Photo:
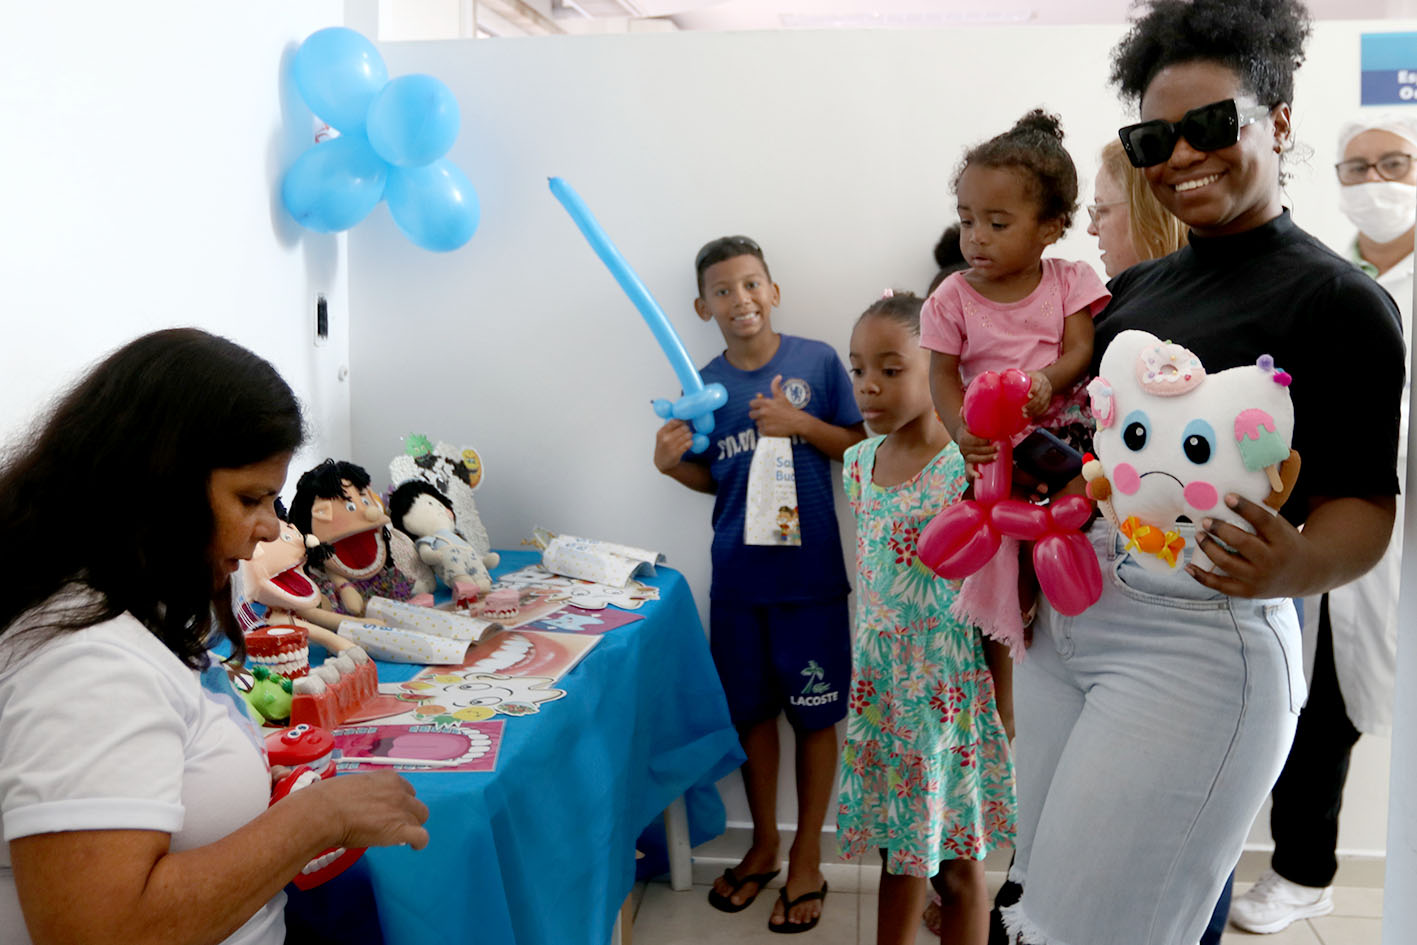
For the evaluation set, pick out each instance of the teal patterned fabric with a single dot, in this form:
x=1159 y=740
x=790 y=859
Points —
x=926 y=774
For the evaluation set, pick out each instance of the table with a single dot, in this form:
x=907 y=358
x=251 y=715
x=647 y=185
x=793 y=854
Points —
x=541 y=851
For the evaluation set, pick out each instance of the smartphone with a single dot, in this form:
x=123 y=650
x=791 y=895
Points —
x=1047 y=459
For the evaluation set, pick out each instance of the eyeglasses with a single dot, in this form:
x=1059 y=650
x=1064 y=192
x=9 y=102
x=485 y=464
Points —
x=1391 y=166
x=1208 y=128
x=1094 y=210
x=738 y=244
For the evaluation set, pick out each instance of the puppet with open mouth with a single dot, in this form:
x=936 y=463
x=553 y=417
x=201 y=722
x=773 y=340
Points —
x=351 y=549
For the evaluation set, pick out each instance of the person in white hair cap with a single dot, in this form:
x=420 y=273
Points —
x=1351 y=692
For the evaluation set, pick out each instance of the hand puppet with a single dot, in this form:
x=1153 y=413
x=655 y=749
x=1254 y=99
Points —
x=350 y=546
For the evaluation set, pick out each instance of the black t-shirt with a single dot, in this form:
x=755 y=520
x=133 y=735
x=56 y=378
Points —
x=1276 y=290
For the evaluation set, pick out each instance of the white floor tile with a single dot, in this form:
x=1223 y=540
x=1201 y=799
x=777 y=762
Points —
x=685 y=918
x=1300 y=933
x=1365 y=902
x=867 y=922
x=1348 y=930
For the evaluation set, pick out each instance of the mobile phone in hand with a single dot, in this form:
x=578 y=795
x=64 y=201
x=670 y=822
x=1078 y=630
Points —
x=1047 y=459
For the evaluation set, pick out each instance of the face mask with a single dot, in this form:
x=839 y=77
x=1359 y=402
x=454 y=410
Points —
x=1381 y=210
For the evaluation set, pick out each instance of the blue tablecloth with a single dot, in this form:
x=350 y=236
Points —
x=541 y=851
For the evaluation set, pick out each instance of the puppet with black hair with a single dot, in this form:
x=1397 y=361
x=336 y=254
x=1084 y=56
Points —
x=426 y=515
x=351 y=550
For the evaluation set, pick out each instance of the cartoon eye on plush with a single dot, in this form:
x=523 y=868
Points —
x=1198 y=441
x=349 y=506
x=1136 y=430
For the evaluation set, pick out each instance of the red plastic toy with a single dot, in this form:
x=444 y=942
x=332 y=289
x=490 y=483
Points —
x=311 y=750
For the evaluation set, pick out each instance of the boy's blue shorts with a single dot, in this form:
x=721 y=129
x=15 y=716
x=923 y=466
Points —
x=792 y=657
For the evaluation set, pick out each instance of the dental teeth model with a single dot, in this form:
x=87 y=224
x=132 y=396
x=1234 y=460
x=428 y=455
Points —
x=280 y=649
x=311 y=751
x=334 y=690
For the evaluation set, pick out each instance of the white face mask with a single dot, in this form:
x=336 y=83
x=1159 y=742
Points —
x=1381 y=210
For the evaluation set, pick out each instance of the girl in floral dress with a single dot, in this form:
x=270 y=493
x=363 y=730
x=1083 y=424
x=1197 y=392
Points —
x=926 y=776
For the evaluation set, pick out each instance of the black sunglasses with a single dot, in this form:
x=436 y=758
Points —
x=1208 y=128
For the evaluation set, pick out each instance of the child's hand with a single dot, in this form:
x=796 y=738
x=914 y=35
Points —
x=975 y=449
x=671 y=443
x=774 y=415
x=1040 y=394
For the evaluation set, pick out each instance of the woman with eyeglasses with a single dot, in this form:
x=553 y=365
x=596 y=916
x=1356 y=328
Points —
x=1350 y=692
x=1151 y=726
x=1129 y=222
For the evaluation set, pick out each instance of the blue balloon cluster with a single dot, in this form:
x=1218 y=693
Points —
x=393 y=135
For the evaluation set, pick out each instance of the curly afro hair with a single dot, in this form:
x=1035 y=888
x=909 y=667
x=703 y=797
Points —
x=1034 y=148
x=1261 y=40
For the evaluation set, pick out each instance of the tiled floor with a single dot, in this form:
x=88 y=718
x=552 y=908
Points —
x=666 y=917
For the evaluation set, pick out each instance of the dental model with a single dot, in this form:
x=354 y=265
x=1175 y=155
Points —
x=336 y=690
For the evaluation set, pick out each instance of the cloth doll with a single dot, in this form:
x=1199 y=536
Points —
x=456 y=473
x=426 y=515
x=353 y=555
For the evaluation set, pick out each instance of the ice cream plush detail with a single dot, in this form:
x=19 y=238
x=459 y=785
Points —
x=1261 y=446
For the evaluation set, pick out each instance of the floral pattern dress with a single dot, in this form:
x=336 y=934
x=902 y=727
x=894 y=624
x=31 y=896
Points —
x=926 y=774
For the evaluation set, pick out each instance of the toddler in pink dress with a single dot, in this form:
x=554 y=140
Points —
x=1013 y=309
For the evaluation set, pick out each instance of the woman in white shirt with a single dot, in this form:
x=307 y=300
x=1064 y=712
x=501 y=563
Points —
x=133 y=791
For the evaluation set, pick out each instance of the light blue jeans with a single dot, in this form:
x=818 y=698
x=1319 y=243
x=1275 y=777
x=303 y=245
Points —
x=1150 y=729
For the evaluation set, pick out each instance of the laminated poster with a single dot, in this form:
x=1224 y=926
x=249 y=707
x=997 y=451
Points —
x=426 y=746
x=603 y=562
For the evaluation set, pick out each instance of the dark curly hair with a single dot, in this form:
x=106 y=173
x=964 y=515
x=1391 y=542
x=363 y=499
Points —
x=1034 y=147
x=899 y=306
x=108 y=495
x=1262 y=41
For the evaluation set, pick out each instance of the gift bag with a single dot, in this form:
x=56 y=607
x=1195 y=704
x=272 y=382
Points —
x=771 y=517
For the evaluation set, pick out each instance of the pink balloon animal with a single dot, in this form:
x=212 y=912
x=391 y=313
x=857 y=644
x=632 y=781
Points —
x=965 y=535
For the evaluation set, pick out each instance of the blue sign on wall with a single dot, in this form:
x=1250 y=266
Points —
x=1389 y=68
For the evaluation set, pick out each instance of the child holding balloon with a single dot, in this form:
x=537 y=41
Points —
x=925 y=774
x=1013 y=309
x=778 y=621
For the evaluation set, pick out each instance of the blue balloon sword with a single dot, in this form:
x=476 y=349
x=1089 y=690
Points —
x=698 y=401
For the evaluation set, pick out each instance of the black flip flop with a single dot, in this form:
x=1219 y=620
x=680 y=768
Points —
x=726 y=903
x=788 y=927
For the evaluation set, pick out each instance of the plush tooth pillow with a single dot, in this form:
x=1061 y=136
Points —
x=1172 y=440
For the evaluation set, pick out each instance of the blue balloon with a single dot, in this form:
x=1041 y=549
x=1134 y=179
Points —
x=434 y=205
x=338 y=73
x=698 y=402
x=413 y=121
x=335 y=184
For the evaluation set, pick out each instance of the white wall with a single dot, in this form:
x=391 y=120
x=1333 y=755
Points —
x=833 y=149
x=141 y=158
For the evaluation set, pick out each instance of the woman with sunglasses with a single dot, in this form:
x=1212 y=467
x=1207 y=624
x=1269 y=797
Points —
x=1152 y=725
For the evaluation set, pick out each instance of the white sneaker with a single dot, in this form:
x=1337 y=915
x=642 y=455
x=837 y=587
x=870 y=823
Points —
x=1274 y=903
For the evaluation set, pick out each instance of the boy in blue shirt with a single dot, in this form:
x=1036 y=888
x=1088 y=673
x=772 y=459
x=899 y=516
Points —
x=779 y=628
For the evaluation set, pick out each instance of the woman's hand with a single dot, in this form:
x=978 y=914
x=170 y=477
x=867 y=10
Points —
x=975 y=449
x=1273 y=562
x=376 y=809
